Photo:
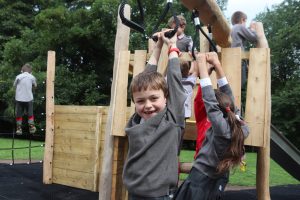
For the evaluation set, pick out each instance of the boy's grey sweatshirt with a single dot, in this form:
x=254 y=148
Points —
x=240 y=34
x=151 y=167
x=218 y=136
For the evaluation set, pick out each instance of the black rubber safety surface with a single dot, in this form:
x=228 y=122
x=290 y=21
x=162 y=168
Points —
x=24 y=182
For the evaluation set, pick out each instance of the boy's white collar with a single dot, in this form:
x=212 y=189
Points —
x=180 y=36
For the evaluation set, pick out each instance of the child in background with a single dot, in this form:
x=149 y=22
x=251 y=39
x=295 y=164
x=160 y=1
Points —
x=222 y=148
x=154 y=131
x=184 y=42
x=240 y=35
x=188 y=81
x=24 y=98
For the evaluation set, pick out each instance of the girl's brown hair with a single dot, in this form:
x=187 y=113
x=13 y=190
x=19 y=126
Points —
x=148 y=80
x=233 y=155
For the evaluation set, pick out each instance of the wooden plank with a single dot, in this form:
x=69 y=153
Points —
x=79 y=126
x=105 y=179
x=245 y=55
x=261 y=37
x=163 y=60
x=140 y=58
x=263 y=156
x=117 y=170
x=210 y=13
x=231 y=63
x=69 y=141
x=120 y=101
x=74 y=164
x=256 y=96
x=75 y=117
x=72 y=156
x=83 y=135
x=75 y=109
x=87 y=150
x=190 y=130
x=97 y=151
x=48 y=152
x=73 y=178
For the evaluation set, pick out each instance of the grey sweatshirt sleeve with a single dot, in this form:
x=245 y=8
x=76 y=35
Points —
x=177 y=95
x=150 y=68
x=218 y=123
x=248 y=34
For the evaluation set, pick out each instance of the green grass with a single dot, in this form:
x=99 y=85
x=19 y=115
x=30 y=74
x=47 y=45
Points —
x=278 y=176
x=37 y=153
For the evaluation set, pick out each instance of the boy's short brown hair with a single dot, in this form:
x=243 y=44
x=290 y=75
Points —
x=185 y=68
x=27 y=68
x=148 y=80
x=182 y=20
x=237 y=17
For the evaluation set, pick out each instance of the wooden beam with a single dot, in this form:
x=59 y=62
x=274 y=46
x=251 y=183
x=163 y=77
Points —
x=210 y=13
x=231 y=63
x=163 y=60
x=105 y=180
x=119 y=101
x=48 y=154
x=140 y=58
x=263 y=156
x=256 y=94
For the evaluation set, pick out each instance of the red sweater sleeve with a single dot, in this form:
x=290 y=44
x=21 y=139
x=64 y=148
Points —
x=200 y=112
x=202 y=122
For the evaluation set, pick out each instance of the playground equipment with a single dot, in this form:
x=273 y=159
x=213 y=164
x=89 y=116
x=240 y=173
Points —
x=85 y=145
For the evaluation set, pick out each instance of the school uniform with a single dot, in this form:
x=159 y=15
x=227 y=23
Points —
x=24 y=96
x=203 y=183
x=188 y=84
x=151 y=167
x=184 y=43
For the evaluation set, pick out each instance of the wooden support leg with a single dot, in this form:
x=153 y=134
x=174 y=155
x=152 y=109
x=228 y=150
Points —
x=119 y=156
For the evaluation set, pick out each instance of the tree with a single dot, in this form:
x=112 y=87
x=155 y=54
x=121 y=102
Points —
x=281 y=26
x=81 y=32
x=83 y=38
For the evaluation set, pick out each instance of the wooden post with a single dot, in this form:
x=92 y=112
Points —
x=48 y=154
x=105 y=180
x=119 y=102
x=163 y=60
x=263 y=156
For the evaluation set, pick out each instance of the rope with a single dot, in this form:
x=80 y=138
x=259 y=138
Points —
x=140 y=27
x=130 y=23
x=196 y=21
x=13 y=148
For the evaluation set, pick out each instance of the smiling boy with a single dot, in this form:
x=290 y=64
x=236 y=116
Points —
x=154 y=131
